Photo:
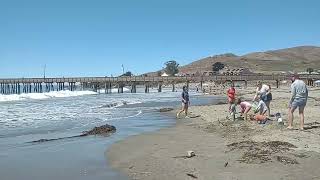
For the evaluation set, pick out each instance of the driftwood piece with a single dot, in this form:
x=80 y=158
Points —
x=191 y=175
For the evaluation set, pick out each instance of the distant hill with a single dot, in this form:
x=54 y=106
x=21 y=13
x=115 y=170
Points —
x=275 y=61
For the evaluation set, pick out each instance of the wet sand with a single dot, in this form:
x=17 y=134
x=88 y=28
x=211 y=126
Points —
x=225 y=149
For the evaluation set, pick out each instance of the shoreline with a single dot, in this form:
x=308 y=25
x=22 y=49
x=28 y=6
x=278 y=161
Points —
x=154 y=155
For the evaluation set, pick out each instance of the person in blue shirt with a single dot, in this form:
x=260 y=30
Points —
x=185 y=102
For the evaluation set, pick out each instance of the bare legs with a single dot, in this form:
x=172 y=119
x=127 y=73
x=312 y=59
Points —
x=290 y=120
x=246 y=113
x=268 y=106
x=184 y=109
x=301 y=113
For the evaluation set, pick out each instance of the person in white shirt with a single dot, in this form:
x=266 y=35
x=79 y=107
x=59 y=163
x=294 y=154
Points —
x=263 y=92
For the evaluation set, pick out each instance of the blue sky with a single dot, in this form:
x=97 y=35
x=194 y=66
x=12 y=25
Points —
x=93 y=38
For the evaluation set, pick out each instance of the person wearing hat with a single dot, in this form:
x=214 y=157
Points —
x=185 y=102
x=299 y=96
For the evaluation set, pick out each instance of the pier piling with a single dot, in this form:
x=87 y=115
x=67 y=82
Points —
x=173 y=87
x=159 y=87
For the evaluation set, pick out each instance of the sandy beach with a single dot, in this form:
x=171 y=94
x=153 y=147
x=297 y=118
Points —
x=225 y=149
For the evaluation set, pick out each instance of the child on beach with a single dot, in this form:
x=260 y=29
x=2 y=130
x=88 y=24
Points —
x=231 y=96
x=245 y=107
x=185 y=102
x=260 y=109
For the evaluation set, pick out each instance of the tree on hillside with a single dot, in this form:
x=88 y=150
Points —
x=128 y=73
x=310 y=70
x=171 y=67
x=217 y=66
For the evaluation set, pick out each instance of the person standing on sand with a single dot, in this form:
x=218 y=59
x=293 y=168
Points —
x=185 y=101
x=263 y=92
x=231 y=96
x=299 y=96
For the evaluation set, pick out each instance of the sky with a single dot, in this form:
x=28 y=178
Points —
x=94 y=38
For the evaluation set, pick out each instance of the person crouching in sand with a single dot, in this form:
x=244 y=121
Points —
x=299 y=96
x=260 y=109
x=185 y=102
x=245 y=107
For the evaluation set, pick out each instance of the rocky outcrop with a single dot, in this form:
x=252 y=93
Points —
x=101 y=130
x=166 y=109
x=104 y=130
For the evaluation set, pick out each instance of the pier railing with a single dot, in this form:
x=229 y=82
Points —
x=156 y=79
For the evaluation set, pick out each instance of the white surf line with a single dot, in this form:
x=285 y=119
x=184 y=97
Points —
x=42 y=96
x=127 y=117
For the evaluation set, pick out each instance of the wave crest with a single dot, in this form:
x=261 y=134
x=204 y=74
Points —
x=48 y=95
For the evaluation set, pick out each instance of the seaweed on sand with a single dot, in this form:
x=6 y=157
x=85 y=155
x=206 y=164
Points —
x=261 y=152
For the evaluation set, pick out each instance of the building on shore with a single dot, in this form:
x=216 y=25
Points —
x=235 y=71
x=164 y=74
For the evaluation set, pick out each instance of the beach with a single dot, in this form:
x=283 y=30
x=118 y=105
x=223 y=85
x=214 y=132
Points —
x=43 y=129
x=225 y=149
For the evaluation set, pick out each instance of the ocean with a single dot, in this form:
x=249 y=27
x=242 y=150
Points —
x=30 y=117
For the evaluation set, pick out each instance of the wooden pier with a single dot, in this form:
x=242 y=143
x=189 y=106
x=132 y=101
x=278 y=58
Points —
x=40 y=85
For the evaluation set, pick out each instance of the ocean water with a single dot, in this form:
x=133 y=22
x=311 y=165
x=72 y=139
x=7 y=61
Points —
x=30 y=117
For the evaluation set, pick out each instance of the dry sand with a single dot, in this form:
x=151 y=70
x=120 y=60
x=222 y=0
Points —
x=226 y=149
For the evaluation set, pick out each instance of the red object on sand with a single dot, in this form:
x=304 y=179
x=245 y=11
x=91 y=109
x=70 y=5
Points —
x=259 y=117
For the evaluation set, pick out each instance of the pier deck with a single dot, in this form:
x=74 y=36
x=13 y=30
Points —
x=39 y=85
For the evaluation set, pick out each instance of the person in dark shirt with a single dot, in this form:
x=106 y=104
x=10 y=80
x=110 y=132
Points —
x=185 y=102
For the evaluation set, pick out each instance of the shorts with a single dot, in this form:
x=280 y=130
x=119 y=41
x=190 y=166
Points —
x=185 y=105
x=301 y=103
x=266 y=98
x=263 y=110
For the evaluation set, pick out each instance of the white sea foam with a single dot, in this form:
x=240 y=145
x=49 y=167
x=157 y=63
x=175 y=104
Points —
x=114 y=90
x=52 y=94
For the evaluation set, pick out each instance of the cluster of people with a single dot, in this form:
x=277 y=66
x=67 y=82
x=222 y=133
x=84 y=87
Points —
x=261 y=101
x=263 y=97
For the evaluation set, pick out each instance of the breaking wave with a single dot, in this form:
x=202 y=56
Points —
x=48 y=95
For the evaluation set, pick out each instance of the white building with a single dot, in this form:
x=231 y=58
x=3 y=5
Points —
x=164 y=75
